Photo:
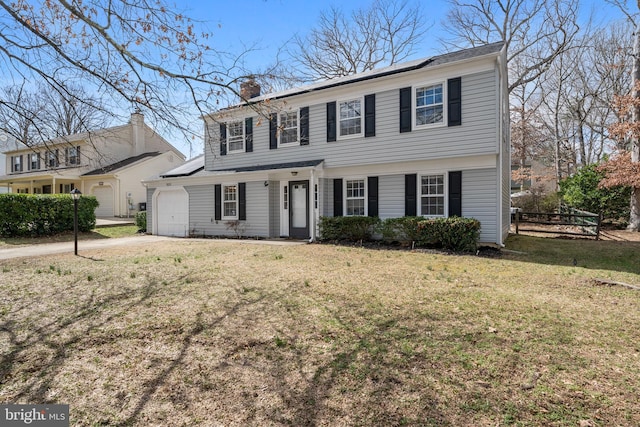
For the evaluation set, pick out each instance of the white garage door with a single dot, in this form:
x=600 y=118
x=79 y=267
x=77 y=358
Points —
x=173 y=213
x=105 y=198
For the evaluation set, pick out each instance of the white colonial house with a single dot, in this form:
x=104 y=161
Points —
x=428 y=137
x=108 y=163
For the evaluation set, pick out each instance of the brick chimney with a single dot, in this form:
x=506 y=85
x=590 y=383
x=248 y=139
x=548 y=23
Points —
x=249 y=89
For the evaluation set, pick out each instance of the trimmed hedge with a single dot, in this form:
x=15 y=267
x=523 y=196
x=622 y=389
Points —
x=453 y=233
x=44 y=215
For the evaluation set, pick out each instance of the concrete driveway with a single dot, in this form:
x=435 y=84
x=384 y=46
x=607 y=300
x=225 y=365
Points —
x=86 y=245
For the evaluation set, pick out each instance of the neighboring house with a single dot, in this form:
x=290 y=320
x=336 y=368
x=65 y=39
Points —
x=428 y=137
x=107 y=163
x=7 y=143
x=535 y=175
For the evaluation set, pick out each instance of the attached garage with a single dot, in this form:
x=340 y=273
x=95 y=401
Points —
x=104 y=194
x=172 y=212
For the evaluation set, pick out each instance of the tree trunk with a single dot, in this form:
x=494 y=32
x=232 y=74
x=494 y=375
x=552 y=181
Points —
x=634 y=216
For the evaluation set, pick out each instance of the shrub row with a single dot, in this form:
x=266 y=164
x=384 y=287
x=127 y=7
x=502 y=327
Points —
x=453 y=233
x=43 y=215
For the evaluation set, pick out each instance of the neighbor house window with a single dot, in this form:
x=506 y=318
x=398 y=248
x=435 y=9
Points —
x=288 y=127
x=73 y=156
x=230 y=202
x=52 y=159
x=432 y=195
x=429 y=107
x=16 y=163
x=355 y=197
x=34 y=161
x=235 y=136
x=350 y=118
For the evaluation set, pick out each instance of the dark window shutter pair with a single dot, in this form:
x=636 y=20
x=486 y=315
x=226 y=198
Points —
x=372 y=196
x=223 y=139
x=454 y=105
x=411 y=194
x=242 y=201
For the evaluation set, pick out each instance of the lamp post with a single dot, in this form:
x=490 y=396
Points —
x=75 y=194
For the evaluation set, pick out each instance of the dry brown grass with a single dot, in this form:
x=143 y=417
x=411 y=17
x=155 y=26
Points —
x=220 y=333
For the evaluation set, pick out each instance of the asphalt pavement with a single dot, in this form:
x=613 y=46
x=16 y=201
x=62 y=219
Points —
x=43 y=249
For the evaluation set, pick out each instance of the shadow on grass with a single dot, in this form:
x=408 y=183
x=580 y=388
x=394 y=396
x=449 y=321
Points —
x=586 y=253
x=58 y=238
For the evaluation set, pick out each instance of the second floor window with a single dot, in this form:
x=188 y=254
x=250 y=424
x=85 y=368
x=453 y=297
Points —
x=52 y=159
x=73 y=156
x=429 y=105
x=34 y=161
x=288 y=127
x=350 y=118
x=16 y=164
x=235 y=136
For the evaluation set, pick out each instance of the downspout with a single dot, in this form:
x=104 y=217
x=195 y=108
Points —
x=501 y=60
x=312 y=197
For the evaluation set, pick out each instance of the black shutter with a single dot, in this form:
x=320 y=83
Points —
x=372 y=195
x=337 y=197
x=248 y=134
x=242 y=201
x=410 y=195
x=77 y=155
x=370 y=115
x=223 y=139
x=454 y=101
x=455 y=193
x=331 y=121
x=218 y=201
x=273 y=131
x=405 y=109
x=304 y=126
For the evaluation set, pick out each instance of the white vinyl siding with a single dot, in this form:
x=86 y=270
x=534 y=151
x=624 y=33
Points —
x=480 y=200
x=477 y=136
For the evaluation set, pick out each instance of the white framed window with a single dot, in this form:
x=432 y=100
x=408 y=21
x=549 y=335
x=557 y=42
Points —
x=34 y=161
x=230 y=201
x=350 y=118
x=16 y=163
x=289 y=133
x=235 y=136
x=52 y=159
x=429 y=105
x=73 y=156
x=432 y=195
x=355 y=197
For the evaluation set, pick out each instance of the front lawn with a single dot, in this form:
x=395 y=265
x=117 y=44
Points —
x=211 y=333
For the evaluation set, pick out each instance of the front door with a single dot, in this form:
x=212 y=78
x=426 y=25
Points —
x=299 y=209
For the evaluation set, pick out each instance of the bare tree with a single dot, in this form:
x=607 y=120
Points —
x=385 y=33
x=139 y=55
x=20 y=110
x=535 y=31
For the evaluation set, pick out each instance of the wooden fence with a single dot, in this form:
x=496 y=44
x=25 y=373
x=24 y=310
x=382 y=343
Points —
x=578 y=223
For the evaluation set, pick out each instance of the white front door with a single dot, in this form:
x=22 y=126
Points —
x=299 y=209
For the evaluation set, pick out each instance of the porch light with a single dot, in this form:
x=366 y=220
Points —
x=75 y=195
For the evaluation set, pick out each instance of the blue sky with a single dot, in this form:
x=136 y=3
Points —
x=267 y=25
